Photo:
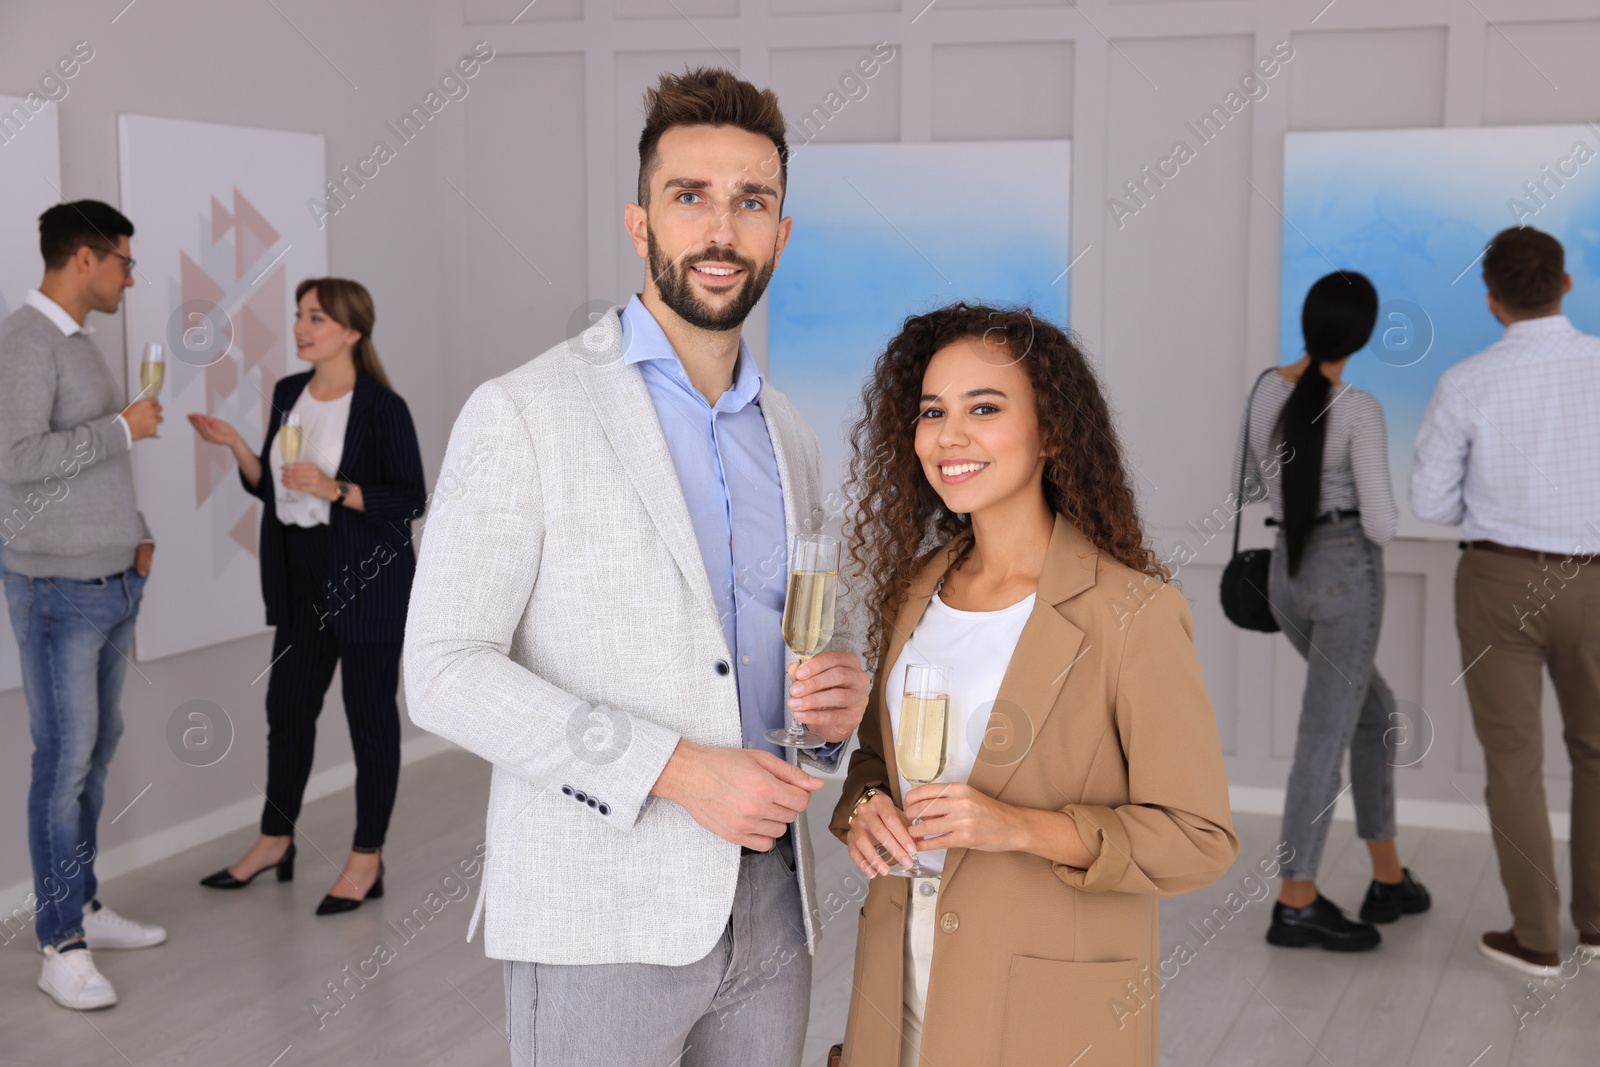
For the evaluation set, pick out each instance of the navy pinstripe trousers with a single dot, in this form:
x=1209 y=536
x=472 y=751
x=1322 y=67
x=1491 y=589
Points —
x=305 y=653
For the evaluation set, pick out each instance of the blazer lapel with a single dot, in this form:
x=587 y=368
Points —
x=623 y=408
x=355 y=427
x=792 y=473
x=1046 y=650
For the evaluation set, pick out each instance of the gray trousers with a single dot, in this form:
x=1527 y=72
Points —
x=1331 y=612
x=745 y=1002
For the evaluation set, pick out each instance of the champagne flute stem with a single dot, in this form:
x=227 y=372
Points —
x=797 y=730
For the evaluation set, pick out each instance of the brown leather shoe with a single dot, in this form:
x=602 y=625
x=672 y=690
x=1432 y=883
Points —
x=1589 y=945
x=1502 y=947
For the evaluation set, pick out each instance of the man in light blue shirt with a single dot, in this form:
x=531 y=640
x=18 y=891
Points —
x=709 y=224
x=729 y=476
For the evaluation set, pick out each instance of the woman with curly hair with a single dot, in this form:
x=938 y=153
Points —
x=997 y=535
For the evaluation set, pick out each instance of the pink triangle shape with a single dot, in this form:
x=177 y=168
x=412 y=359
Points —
x=221 y=221
x=254 y=235
x=244 y=531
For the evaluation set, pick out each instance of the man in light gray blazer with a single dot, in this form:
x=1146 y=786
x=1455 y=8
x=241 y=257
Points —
x=597 y=611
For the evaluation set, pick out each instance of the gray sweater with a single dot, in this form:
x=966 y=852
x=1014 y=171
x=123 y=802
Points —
x=66 y=479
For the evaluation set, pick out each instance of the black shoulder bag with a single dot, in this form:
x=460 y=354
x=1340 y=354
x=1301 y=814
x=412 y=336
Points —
x=1244 y=580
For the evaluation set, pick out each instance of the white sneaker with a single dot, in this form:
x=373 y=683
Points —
x=73 y=981
x=106 y=929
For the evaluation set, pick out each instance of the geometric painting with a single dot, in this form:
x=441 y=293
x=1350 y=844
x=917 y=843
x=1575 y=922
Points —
x=224 y=233
x=30 y=182
x=1413 y=210
x=883 y=231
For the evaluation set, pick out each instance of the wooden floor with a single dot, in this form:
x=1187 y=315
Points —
x=238 y=981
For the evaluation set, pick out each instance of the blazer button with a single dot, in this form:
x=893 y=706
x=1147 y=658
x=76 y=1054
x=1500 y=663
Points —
x=580 y=796
x=604 y=809
x=949 y=923
x=567 y=789
x=722 y=666
x=593 y=803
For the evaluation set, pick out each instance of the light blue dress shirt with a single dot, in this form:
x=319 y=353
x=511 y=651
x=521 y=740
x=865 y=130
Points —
x=723 y=456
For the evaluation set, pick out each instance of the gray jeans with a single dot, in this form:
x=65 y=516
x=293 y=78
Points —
x=745 y=1002
x=1331 y=612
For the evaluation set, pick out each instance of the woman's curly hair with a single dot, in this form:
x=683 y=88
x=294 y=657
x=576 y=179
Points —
x=896 y=518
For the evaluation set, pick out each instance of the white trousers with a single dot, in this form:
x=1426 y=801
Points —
x=919 y=960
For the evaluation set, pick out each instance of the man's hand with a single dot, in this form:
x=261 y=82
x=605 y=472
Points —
x=742 y=795
x=142 y=556
x=142 y=417
x=829 y=694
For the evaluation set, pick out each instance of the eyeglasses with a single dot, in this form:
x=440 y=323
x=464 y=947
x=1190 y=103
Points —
x=127 y=261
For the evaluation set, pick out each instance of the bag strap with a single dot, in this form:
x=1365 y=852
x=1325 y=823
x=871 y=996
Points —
x=1244 y=453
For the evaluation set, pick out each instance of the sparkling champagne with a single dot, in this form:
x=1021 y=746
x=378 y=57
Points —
x=289 y=442
x=808 y=611
x=151 y=376
x=921 y=742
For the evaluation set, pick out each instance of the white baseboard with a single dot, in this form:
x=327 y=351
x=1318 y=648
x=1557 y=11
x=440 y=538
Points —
x=153 y=848
x=1427 y=814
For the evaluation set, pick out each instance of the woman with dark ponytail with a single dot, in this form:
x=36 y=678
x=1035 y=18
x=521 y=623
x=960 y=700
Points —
x=1334 y=507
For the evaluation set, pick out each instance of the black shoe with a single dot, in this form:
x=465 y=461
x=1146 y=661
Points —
x=332 y=905
x=1321 y=922
x=223 y=880
x=1387 y=901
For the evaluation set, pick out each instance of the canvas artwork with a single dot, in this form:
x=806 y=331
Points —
x=223 y=236
x=883 y=231
x=30 y=181
x=1413 y=210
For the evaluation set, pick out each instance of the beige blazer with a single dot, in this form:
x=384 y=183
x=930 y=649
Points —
x=1102 y=714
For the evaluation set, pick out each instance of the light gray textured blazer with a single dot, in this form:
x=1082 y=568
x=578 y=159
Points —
x=562 y=627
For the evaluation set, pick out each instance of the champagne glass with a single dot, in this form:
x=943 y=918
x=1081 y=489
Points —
x=922 y=741
x=290 y=438
x=808 y=617
x=152 y=372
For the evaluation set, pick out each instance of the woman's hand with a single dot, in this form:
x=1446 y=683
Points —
x=308 y=478
x=877 y=822
x=964 y=818
x=213 y=430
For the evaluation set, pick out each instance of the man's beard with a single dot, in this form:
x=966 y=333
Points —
x=676 y=290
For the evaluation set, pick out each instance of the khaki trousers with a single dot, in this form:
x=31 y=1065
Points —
x=1522 y=615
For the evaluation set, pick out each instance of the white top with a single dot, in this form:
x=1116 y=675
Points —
x=322 y=424
x=1355 y=456
x=976 y=647
x=1510 y=446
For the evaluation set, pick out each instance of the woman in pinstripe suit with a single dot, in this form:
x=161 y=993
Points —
x=336 y=569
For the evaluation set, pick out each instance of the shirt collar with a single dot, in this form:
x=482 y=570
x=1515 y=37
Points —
x=644 y=340
x=55 y=313
x=1539 y=327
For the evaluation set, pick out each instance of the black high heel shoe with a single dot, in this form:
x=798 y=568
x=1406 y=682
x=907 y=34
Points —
x=223 y=880
x=332 y=905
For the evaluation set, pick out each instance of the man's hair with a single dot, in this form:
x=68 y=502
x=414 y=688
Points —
x=65 y=228
x=711 y=96
x=1524 y=268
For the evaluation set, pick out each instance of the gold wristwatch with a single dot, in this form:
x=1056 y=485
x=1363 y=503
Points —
x=871 y=792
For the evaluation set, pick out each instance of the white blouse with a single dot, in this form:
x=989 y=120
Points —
x=322 y=426
x=975 y=647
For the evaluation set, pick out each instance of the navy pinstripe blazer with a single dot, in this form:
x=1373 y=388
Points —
x=370 y=557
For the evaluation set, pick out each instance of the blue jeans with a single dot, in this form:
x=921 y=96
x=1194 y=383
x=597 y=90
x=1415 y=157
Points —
x=74 y=635
x=1331 y=612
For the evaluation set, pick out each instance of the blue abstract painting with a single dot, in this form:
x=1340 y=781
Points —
x=1413 y=210
x=883 y=231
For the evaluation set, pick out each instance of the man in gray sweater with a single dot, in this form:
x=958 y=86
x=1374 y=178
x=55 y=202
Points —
x=75 y=552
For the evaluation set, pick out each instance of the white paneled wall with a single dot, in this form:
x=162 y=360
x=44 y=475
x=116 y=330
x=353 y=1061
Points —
x=1178 y=302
